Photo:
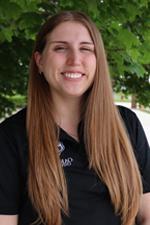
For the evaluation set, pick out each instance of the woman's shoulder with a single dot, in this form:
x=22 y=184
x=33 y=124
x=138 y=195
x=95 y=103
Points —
x=15 y=125
x=134 y=128
x=18 y=118
x=130 y=119
x=126 y=113
x=139 y=142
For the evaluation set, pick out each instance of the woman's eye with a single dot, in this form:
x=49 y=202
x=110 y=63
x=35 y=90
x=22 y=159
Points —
x=86 y=49
x=60 y=48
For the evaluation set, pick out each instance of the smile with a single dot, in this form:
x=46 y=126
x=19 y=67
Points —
x=73 y=75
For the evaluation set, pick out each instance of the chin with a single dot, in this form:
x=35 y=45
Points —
x=75 y=95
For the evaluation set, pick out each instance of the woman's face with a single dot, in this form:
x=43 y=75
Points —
x=68 y=60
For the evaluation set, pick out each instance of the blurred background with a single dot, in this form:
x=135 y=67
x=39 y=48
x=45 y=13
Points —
x=125 y=28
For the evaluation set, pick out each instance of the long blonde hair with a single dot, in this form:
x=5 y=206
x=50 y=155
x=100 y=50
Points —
x=109 y=151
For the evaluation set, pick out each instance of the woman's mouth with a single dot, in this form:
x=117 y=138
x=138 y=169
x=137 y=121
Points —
x=72 y=75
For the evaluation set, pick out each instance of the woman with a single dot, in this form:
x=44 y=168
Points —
x=74 y=165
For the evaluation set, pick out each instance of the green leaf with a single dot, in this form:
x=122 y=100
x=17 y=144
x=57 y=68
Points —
x=137 y=69
x=27 y=5
x=29 y=19
x=66 y=3
x=8 y=33
x=127 y=38
x=9 y=10
x=132 y=11
x=134 y=54
x=92 y=8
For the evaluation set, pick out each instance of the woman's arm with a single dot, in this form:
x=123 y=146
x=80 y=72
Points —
x=143 y=217
x=8 y=219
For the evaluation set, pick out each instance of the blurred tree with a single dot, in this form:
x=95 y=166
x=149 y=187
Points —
x=19 y=22
x=125 y=30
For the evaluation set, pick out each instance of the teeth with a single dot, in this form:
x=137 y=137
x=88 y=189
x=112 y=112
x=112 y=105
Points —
x=72 y=75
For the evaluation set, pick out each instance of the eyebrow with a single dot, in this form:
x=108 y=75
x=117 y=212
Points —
x=65 y=42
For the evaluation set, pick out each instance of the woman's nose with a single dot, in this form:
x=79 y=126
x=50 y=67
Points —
x=74 y=57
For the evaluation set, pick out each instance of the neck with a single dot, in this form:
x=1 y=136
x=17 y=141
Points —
x=67 y=115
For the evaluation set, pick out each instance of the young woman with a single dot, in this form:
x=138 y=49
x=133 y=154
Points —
x=72 y=157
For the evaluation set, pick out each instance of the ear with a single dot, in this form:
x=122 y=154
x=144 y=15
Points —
x=38 y=60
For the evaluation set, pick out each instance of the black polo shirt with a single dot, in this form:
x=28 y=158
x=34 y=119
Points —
x=89 y=200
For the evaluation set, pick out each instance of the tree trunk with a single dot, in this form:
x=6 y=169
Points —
x=133 y=102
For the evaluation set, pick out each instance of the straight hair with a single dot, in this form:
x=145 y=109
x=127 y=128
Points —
x=108 y=148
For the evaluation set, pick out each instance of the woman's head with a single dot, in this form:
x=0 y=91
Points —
x=67 y=26
x=68 y=61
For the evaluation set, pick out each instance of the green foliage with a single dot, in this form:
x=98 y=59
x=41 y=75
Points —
x=124 y=26
x=19 y=22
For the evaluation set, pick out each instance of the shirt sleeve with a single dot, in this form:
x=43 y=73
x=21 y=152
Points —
x=140 y=145
x=142 y=152
x=9 y=174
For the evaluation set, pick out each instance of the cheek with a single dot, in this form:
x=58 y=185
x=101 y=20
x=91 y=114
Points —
x=51 y=69
x=92 y=65
x=49 y=64
x=53 y=61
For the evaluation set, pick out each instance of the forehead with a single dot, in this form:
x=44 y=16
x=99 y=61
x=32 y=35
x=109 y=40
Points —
x=70 y=31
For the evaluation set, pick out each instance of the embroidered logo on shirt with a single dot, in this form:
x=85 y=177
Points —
x=67 y=161
x=61 y=147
